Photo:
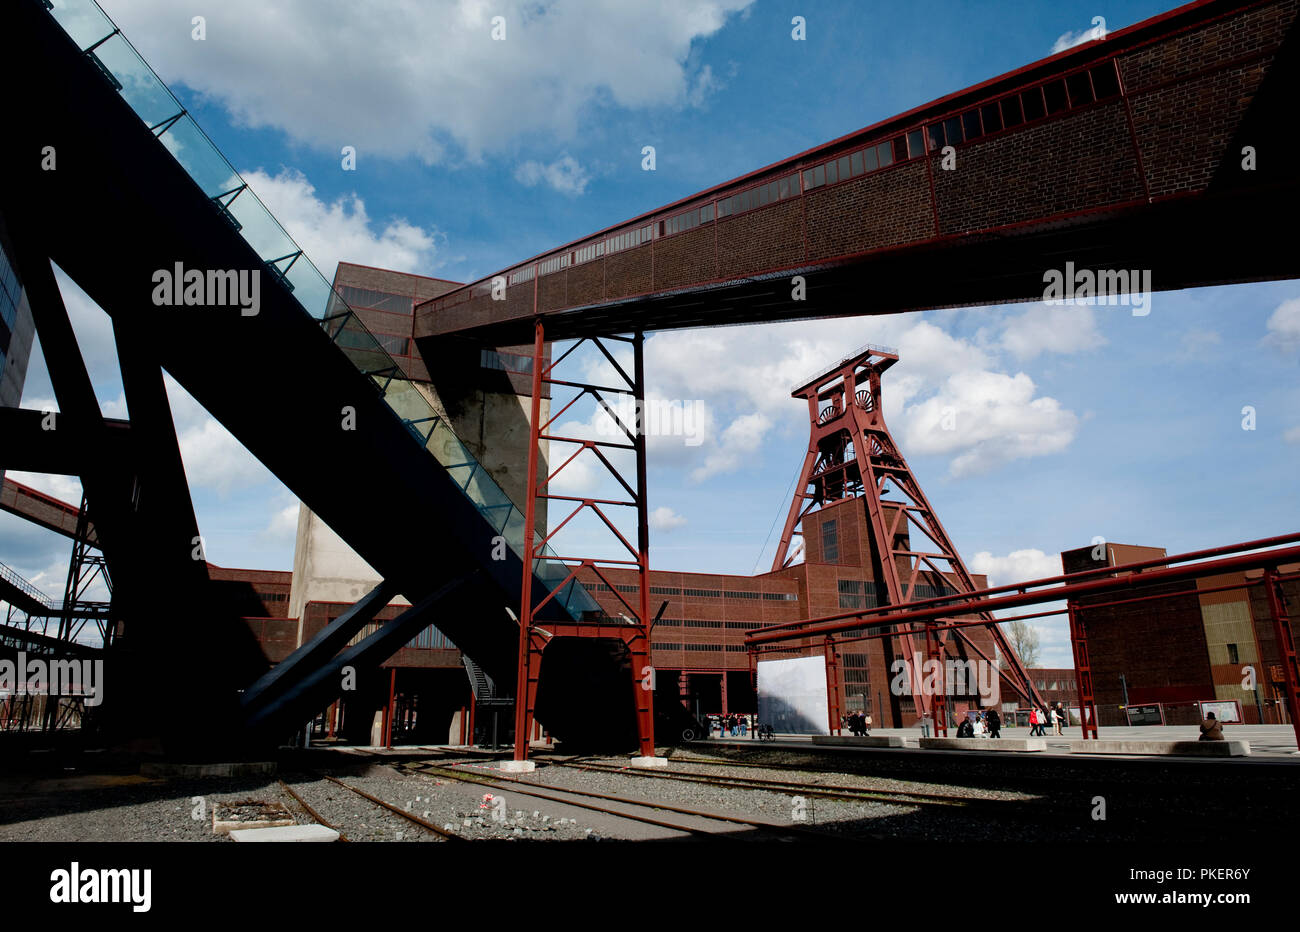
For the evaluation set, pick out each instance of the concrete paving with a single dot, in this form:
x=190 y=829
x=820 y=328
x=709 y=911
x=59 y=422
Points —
x=1266 y=741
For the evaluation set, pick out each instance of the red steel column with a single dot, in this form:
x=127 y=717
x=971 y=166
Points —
x=1083 y=673
x=1285 y=647
x=388 y=717
x=523 y=688
x=833 y=710
x=645 y=719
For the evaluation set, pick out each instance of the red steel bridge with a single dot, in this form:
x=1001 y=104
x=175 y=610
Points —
x=1124 y=153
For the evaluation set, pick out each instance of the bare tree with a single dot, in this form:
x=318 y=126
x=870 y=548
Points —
x=1024 y=641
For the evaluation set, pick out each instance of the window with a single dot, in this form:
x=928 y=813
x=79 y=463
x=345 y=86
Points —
x=1104 y=80
x=1054 y=94
x=855 y=164
x=378 y=300
x=885 y=153
x=935 y=135
x=1012 y=115
x=1232 y=654
x=1032 y=102
x=900 y=149
x=869 y=159
x=843 y=167
x=1080 y=89
x=991 y=114
x=915 y=146
x=830 y=543
x=832 y=173
x=970 y=124
x=952 y=131
x=507 y=362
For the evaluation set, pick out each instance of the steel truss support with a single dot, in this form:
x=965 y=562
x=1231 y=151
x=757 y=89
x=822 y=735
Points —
x=1285 y=646
x=1083 y=672
x=541 y=561
x=851 y=454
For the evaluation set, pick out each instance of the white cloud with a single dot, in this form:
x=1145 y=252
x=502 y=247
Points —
x=1292 y=434
x=1195 y=343
x=564 y=175
x=340 y=231
x=987 y=419
x=213 y=458
x=742 y=437
x=406 y=78
x=1049 y=329
x=665 y=519
x=283 y=526
x=1284 y=325
x=1017 y=566
x=1069 y=39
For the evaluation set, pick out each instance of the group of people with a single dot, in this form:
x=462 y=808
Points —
x=858 y=724
x=981 y=725
x=734 y=725
x=1038 y=720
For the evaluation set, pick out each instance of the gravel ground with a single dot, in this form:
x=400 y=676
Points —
x=1015 y=803
x=123 y=807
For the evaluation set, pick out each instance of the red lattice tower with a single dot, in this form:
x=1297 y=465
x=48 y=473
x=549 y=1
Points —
x=851 y=454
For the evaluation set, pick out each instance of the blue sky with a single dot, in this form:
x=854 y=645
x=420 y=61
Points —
x=472 y=154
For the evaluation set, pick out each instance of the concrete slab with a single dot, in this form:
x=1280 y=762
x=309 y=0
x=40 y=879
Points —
x=288 y=833
x=870 y=741
x=1013 y=745
x=517 y=766
x=1180 y=748
x=648 y=763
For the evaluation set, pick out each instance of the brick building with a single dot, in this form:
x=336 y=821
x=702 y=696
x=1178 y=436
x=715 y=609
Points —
x=1185 y=643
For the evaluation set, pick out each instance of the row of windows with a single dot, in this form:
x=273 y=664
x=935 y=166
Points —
x=1034 y=103
x=1079 y=89
x=697 y=623
x=764 y=194
x=394 y=344
x=729 y=593
x=1054 y=684
x=689 y=220
x=507 y=362
x=601 y=587
x=376 y=300
x=849 y=601
x=272 y=596
x=1048 y=99
x=666 y=645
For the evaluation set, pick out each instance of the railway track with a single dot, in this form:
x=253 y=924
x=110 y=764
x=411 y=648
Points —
x=564 y=796
x=374 y=801
x=1000 y=808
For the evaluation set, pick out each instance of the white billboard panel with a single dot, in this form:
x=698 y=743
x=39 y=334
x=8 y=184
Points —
x=792 y=695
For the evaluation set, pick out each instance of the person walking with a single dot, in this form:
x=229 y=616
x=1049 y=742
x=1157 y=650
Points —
x=994 y=722
x=1059 y=721
x=1035 y=723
